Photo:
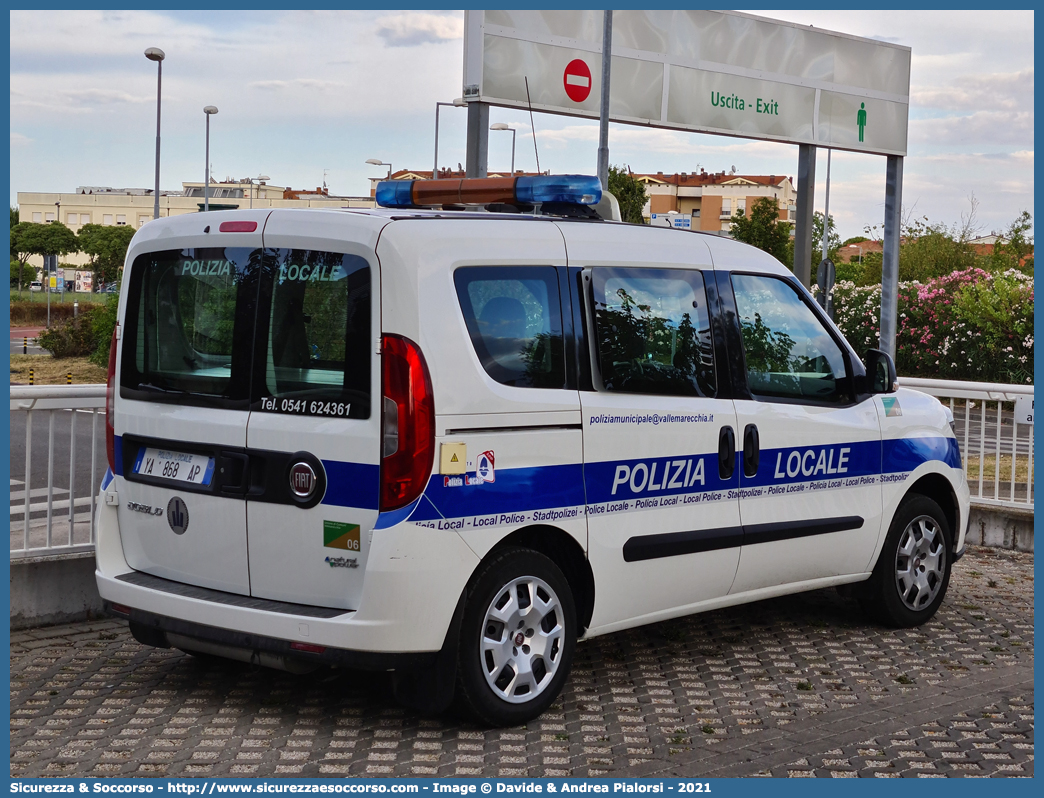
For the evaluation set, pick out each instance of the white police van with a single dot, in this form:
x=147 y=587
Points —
x=449 y=442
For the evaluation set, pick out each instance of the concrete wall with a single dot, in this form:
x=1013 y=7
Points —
x=49 y=590
x=1000 y=528
x=62 y=589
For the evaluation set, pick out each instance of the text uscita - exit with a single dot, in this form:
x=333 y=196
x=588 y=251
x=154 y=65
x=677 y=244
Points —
x=737 y=103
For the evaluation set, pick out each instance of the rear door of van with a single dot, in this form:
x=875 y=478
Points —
x=183 y=399
x=313 y=435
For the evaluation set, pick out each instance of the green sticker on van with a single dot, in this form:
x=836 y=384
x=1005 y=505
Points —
x=891 y=406
x=340 y=535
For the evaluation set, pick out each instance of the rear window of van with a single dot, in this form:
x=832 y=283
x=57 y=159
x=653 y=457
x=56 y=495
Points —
x=285 y=331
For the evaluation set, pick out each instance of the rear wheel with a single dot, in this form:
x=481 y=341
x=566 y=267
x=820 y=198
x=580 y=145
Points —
x=517 y=638
x=913 y=572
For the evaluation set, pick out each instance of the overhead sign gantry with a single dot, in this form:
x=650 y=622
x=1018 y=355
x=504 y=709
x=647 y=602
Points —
x=717 y=72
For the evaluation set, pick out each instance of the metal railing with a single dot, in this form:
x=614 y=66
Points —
x=41 y=523
x=989 y=434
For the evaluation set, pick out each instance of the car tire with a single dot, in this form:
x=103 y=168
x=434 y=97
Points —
x=912 y=573
x=517 y=637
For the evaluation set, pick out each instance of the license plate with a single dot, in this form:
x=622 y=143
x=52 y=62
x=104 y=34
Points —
x=196 y=469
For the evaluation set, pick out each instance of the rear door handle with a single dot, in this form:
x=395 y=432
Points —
x=751 y=450
x=726 y=453
x=233 y=469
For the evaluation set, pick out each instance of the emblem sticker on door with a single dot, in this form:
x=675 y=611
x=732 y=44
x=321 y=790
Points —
x=891 y=406
x=177 y=515
x=339 y=535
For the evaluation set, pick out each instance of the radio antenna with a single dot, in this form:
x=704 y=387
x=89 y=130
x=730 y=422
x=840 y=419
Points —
x=533 y=126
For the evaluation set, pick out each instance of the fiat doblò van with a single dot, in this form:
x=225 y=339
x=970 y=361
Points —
x=451 y=442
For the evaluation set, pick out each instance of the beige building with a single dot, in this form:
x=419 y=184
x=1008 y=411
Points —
x=712 y=199
x=134 y=206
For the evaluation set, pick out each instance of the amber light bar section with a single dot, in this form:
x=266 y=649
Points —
x=464 y=191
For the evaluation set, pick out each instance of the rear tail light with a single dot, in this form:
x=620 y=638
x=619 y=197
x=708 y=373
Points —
x=407 y=422
x=309 y=648
x=110 y=404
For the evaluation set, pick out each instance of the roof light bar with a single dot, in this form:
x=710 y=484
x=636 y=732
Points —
x=535 y=189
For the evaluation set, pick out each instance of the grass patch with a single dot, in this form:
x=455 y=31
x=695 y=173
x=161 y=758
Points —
x=989 y=468
x=49 y=371
x=804 y=685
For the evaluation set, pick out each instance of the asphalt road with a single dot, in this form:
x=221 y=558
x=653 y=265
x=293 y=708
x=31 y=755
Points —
x=18 y=335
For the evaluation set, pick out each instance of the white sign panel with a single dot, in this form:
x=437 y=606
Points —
x=84 y=281
x=704 y=71
x=1024 y=409
x=681 y=221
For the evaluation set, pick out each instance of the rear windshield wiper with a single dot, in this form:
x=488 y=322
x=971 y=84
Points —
x=146 y=386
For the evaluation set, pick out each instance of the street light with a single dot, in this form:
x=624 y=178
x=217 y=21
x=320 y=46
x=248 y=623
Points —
x=457 y=103
x=375 y=162
x=502 y=126
x=259 y=179
x=208 y=111
x=157 y=55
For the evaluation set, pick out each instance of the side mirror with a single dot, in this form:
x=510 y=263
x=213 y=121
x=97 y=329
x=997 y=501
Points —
x=880 y=372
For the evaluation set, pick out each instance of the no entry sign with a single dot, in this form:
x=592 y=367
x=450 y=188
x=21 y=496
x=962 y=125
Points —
x=577 y=80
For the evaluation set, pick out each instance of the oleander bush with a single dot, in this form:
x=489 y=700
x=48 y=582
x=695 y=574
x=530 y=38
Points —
x=966 y=325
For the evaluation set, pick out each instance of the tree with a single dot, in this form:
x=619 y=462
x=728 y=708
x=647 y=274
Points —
x=854 y=240
x=1019 y=246
x=14 y=216
x=630 y=193
x=817 y=244
x=107 y=248
x=33 y=238
x=763 y=228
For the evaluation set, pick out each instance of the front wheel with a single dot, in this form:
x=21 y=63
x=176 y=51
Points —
x=517 y=638
x=911 y=576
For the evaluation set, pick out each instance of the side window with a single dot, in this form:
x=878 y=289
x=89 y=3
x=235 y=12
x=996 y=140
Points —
x=514 y=317
x=652 y=331
x=319 y=337
x=788 y=351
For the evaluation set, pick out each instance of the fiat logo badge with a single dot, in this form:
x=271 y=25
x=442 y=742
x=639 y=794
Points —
x=302 y=480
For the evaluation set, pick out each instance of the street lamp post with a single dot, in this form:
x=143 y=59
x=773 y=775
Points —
x=58 y=218
x=208 y=111
x=502 y=126
x=375 y=162
x=157 y=55
x=259 y=179
x=457 y=103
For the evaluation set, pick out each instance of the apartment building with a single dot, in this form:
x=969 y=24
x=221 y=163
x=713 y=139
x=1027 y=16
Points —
x=711 y=199
x=134 y=206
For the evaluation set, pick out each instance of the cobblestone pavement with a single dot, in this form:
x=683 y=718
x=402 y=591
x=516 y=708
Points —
x=798 y=686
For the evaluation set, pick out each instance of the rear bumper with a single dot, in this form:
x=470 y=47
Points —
x=154 y=629
x=414 y=579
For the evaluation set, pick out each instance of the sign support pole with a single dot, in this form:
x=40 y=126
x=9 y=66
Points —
x=478 y=140
x=603 y=120
x=806 y=187
x=890 y=260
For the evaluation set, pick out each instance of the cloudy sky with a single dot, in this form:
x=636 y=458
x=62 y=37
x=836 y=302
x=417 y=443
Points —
x=307 y=94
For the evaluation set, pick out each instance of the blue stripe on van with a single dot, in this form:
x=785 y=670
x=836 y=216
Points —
x=352 y=484
x=515 y=489
x=905 y=454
